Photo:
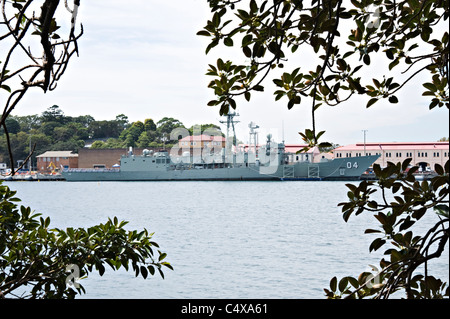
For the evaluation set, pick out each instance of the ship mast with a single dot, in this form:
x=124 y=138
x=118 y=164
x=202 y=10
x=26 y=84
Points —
x=230 y=124
x=253 y=140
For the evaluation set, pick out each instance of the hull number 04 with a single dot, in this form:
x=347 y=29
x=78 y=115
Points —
x=350 y=165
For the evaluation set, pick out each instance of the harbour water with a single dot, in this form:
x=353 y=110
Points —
x=257 y=240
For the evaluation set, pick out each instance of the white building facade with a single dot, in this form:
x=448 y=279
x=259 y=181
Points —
x=423 y=154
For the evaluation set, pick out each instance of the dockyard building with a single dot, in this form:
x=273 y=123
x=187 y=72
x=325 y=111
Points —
x=423 y=154
x=55 y=161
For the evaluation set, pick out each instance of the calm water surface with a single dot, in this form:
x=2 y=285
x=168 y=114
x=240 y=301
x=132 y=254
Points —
x=224 y=239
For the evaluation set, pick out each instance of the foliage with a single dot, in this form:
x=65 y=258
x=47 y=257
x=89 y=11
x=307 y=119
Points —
x=345 y=36
x=37 y=261
x=198 y=129
x=54 y=131
x=34 y=257
x=411 y=201
x=25 y=28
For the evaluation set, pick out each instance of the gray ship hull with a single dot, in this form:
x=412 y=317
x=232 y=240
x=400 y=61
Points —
x=137 y=170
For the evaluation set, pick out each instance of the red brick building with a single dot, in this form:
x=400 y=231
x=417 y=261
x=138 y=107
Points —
x=55 y=161
x=104 y=158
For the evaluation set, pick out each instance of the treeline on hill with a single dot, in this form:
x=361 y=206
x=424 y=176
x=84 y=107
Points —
x=54 y=131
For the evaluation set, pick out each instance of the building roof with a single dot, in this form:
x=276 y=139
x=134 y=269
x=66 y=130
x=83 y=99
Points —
x=58 y=154
x=294 y=148
x=395 y=146
x=196 y=138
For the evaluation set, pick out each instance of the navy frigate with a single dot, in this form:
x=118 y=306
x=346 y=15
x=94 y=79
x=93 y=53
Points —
x=266 y=162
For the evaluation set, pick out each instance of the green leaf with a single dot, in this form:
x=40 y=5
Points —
x=228 y=42
x=144 y=272
x=259 y=88
x=439 y=169
x=278 y=82
x=372 y=231
x=333 y=284
x=366 y=59
x=376 y=244
x=371 y=102
x=211 y=45
x=247 y=40
x=430 y=86
x=247 y=51
x=393 y=64
x=232 y=103
x=204 y=33
x=393 y=99
x=343 y=283
x=353 y=282
x=166 y=264
x=101 y=269
x=6 y=87
x=162 y=256
x=161 y=273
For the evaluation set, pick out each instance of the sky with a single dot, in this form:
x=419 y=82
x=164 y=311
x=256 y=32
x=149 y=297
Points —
x=142 y=58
